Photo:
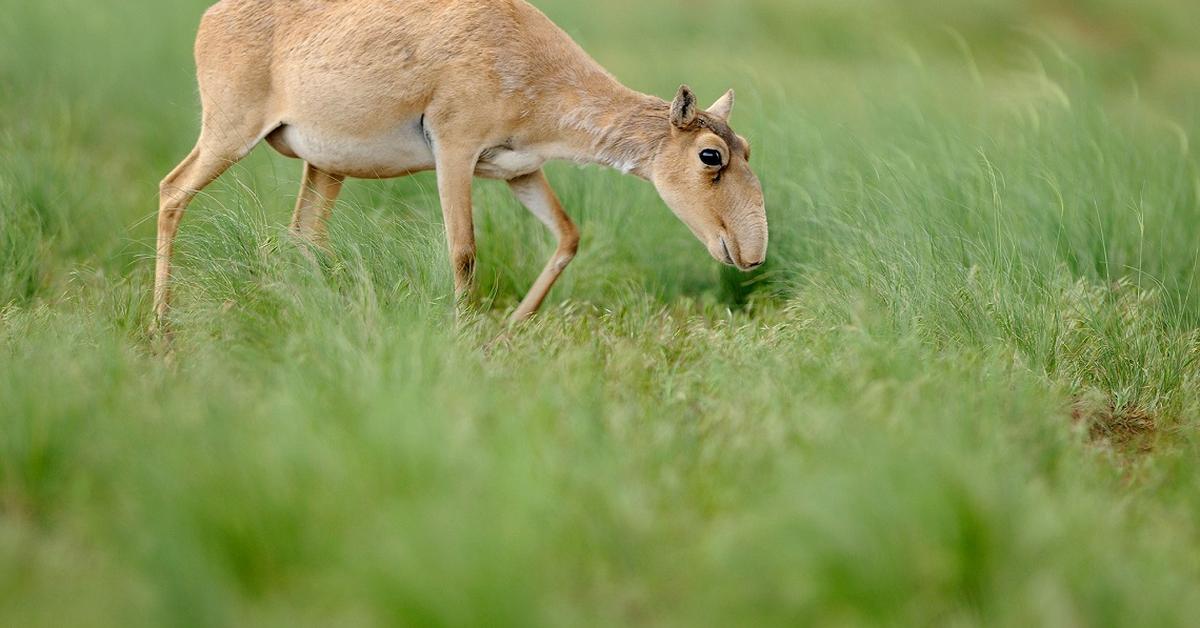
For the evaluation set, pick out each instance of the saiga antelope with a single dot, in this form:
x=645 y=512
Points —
x=487 y=88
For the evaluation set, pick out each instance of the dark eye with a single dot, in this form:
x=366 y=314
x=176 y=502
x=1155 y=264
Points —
x=711 y=157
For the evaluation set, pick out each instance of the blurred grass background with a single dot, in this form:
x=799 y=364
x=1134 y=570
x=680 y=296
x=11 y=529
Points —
x=964 y=390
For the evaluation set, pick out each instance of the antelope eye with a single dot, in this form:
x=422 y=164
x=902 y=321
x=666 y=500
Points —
x=711 y=157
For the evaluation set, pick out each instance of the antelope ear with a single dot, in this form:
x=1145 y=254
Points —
x=683 y=110
x=723 y=107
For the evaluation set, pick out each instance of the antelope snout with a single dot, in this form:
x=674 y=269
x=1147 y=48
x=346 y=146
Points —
x=745 y=254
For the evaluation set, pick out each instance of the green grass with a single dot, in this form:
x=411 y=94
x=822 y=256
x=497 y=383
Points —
x=965 y=390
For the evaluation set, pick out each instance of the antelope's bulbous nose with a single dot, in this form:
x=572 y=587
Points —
x=745 y=255
x=743 y=245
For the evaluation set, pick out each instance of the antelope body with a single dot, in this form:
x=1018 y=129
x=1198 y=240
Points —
x=487 y=88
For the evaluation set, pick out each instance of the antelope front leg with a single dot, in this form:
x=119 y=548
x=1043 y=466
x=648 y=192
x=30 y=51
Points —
x=455 y=171
x=535 y=193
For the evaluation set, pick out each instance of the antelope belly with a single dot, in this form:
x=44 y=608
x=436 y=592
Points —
x=502 y=163
x=394 y=152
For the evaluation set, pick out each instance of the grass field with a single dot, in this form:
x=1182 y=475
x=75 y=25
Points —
x=965 y=390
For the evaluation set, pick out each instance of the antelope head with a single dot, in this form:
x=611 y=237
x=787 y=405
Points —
x=702 y=171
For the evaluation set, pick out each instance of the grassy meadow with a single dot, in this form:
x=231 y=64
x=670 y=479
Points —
x=964 y=391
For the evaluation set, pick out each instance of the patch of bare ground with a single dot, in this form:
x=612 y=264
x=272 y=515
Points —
x=1125 y=429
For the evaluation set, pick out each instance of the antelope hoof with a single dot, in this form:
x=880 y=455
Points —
x=162 y=337
x=520 y=317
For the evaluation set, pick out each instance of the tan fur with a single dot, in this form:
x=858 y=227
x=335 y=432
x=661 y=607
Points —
x=488 y=88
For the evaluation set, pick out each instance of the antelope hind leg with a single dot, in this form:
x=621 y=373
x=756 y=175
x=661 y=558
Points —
x=314 y=206
x=205 y=163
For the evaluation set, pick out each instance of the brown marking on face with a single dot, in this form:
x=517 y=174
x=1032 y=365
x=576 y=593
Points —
x=720 y=128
